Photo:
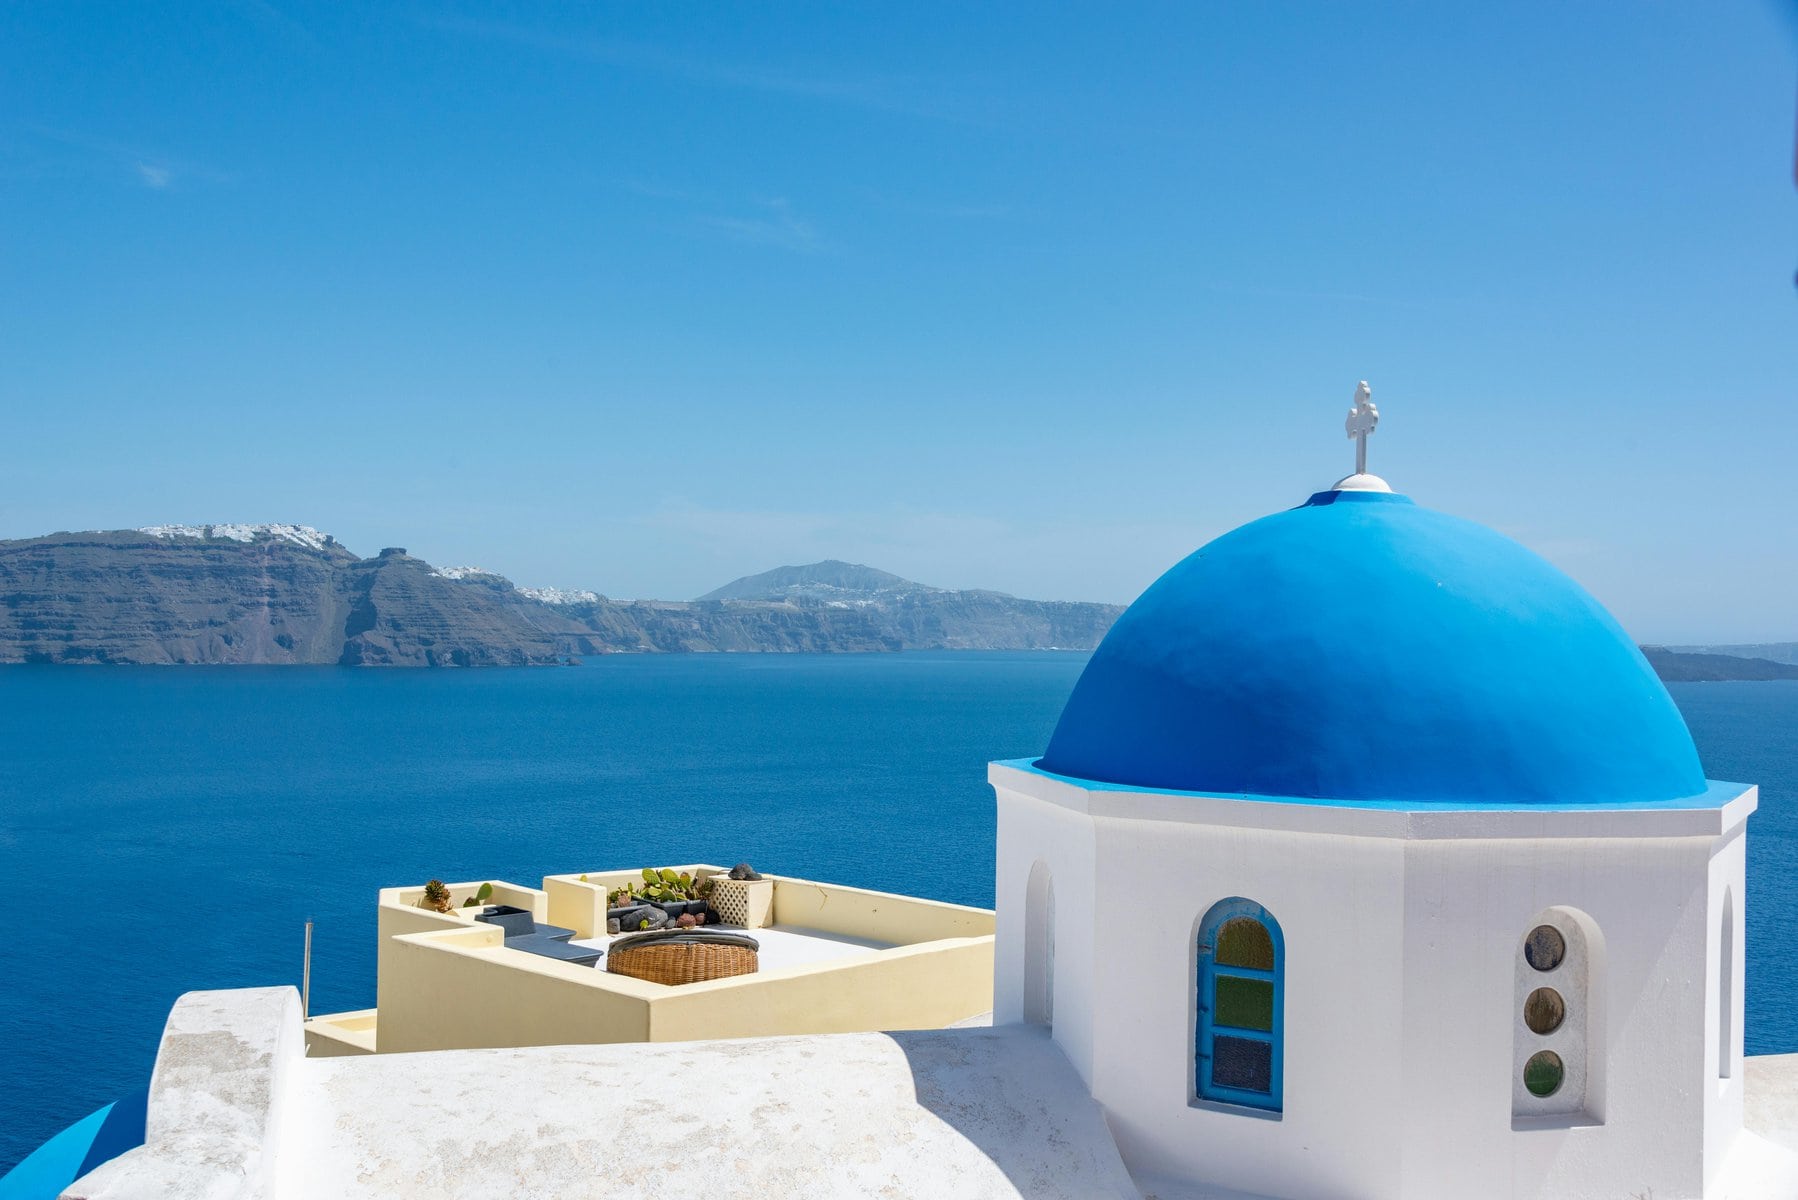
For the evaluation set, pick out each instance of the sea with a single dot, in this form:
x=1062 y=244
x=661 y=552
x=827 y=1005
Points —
x=167 y=829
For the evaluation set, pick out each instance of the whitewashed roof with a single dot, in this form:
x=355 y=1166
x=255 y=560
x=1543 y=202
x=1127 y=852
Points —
x=973 y=1113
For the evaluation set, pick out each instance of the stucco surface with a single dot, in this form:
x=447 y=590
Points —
x=969 y=1113
x=216 y=1102
x=1770 y=1099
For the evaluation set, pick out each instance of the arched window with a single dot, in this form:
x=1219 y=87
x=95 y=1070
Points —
x=1558 y=1036
x=1726 y=972
x=1039 y=946
x=1237 y=1052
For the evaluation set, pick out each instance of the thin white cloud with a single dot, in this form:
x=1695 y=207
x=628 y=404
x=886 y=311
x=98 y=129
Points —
x=65 y=153
x=775 y=224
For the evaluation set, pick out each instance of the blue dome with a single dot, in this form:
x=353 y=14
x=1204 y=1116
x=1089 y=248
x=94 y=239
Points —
x=1362 y=648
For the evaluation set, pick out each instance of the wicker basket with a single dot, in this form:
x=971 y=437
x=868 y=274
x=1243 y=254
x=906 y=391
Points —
x=683 y=956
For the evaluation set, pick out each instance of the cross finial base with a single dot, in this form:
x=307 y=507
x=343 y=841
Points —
x=1361 y=482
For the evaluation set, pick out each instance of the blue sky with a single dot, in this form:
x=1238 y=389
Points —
x=1038 y=298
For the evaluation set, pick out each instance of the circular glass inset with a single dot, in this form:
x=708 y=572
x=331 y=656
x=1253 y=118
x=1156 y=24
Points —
x=1544 y=948
x=1543 y=1073
x=1544 y=1011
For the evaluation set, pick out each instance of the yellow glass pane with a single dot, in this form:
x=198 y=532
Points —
x=1244 y=942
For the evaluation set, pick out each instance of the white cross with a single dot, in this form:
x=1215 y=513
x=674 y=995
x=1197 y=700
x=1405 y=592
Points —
x=1362 y=420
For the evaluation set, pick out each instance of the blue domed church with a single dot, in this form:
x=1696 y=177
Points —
x=1370 y=858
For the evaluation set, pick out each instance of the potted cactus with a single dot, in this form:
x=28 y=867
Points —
x=437 y=896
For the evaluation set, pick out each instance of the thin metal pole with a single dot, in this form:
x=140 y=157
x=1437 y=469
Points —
x=306 y=976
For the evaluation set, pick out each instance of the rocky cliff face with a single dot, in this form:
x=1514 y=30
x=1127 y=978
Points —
x=133 y=597
x=289 y=594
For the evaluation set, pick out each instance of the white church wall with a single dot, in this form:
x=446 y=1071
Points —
x=1031 y=832
x=1726 y=963
x=1403 y=932
x=1339 y=905
x=1469 y=905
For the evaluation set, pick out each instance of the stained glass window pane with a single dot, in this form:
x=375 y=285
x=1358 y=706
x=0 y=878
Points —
x=1240 y=1063
x=1244 y=942
x=1244 y=1003
x=1544 y=948
x=1542 y=1073
x=1544 y=1011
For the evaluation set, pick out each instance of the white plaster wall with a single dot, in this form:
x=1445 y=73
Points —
x=1723 y=1094
x=1339 y=903
x=1468 y=906
x=1063 y=839
x=219 y=1103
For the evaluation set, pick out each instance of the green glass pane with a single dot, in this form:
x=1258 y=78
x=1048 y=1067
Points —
x=1244 y=942
x=1244 y=1003
x=1542 y=1074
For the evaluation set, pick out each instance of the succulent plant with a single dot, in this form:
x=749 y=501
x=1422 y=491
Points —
x=667 y=884
x=482 y=894
x=437 y=895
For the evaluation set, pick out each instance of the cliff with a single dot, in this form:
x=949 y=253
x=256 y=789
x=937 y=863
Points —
x=290 y=594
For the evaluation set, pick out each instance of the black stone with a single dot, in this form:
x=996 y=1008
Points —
x=630 y=920
x=744 y=871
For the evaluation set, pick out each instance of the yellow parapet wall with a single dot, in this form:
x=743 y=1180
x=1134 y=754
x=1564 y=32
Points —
x=401 y=912
x=447 y=982
x=341 y=1035
x=926 y=986
x=461 y=989
x=877 y=916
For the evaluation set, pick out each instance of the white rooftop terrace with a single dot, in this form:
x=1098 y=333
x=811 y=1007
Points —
x=831 y=959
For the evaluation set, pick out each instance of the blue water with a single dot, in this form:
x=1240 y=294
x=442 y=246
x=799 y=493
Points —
x=164 y=830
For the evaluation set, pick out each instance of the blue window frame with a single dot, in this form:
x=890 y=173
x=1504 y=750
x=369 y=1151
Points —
x=1240 y=1034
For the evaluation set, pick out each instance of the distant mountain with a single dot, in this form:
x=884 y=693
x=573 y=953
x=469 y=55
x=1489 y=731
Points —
x=916 y=616
x=1678 y=666
x=1779 y=652
x=291 y=594
x=827 y=580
